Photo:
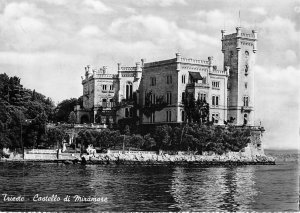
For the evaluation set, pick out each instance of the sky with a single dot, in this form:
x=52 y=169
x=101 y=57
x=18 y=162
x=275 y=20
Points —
x=47 y=43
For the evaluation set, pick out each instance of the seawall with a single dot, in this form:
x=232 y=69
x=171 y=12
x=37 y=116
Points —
x=151 y=159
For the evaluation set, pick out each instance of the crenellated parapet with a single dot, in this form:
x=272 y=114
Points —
x=124 y=69
x=193 y=61
x=240 y=38
x=130 y=71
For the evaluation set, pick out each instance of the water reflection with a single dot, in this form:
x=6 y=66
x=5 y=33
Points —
x=213 y=189
x=143 y=188
x=152 y=188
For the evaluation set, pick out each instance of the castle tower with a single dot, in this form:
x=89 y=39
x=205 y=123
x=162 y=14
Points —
x=239 y=51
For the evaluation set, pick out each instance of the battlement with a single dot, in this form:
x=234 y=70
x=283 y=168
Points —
x=182 y=60
x=240 y=33
x=194 y=61
x=98 y=75
x=128 y=69
x=247 y=35
x=135 y=68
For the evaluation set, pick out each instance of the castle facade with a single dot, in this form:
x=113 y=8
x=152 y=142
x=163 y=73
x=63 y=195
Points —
x=228 y=91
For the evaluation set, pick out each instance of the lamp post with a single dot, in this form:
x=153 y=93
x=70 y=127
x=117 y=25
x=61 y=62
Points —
x=22 y=139
x=124 y=144
x=21 y=135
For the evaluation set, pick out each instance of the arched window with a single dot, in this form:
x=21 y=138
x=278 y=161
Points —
x=129 y=92
x=246 y=54
x=112 y=102
x=104 y=103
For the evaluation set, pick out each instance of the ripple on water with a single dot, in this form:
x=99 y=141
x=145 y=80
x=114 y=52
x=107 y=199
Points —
x=152 y=188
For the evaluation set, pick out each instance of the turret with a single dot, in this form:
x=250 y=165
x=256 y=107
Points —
x=178 y=56
x=210 y=63
x=239 y=54
x=119 y=70
x=138 y=74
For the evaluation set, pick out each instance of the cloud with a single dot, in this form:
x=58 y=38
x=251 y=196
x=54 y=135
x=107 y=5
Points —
x=278 y=107
x=212 y=21
x=24 y=28
x=46 y=71
x=90 y=31
x=57 y=2
x=18 y=10
x=97 y=6
x=161 y=3
x=159 y=31
x=278 y=41
x=259 y=11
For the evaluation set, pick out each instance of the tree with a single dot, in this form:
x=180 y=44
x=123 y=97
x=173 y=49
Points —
x=72 y=118
x=196 y=110
x=55 y=137
x=136 y=141
x=99 y=114
x=64 y=109
x=152 y=106
x=18 y=105
x=162 y=136
x=127 y=130
x=149 y=142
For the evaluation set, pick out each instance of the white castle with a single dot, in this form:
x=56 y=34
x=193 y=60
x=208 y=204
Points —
x=229 y=91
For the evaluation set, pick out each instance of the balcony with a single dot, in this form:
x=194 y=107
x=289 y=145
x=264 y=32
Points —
x=199 y=85
x=247 y=108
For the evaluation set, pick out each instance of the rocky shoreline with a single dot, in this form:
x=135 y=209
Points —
x=150 y=159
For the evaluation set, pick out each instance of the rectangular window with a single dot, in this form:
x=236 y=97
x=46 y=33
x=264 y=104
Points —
x=129 y=93
x=215 y=100
x=152 y=118
x=168 y=116
x=153 y=81
x=183 y=97
x=104 y=87
x=169 y=79
x=202 y=97
x=246 y=101
x=104 y=103
x=128 y=112
x=169 y=98
x=215 y=84
x=183 y=79
x=152 y=99
x=111 y=87
x=182 y=116
x=112 y=102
